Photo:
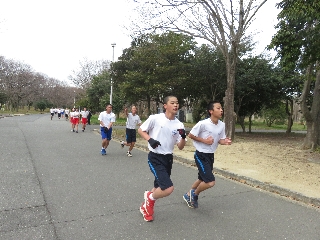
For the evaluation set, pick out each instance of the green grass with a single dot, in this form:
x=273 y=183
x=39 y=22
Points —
x=24 y=111
x=260 y=125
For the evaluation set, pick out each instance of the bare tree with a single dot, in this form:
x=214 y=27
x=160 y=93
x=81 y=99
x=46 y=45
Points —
x=23 y=86
x=222 y=23
x=16 y=79
x=88 y=69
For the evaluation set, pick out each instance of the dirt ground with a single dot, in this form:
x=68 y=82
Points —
x=270 y=158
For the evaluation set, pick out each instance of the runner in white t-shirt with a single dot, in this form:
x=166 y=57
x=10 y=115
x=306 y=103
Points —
x=106 y=118
x=133 y=120
x=162 y=131
x=75 y=119
x=66 y=114
x=206 y=136
x=59 y=113
x=71 y=119
x=84 y=114
x=52 y=112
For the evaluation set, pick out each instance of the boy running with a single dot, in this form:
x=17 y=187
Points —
x=84 y=114
x=206 y=136
x=162 y=131
x=131 y=134
x=76 y=116
x=71 y=119
x=106 y=118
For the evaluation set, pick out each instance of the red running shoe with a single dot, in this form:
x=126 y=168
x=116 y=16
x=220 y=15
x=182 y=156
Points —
x=146 y=217
x=148 y=203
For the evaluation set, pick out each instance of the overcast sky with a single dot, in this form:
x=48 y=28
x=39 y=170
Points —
x=52 y=36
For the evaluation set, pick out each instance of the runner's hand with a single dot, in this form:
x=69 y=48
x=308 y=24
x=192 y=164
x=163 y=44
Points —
x=182 y=132
x=153 y=143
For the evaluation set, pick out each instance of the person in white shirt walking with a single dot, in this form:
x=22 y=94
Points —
x=59 y=113
x=106 y=118
x=84 y=114
x=52 y=112
x=133 y=120
x=71 y=119
x=162 y=131
x=206 y=136
x=76 y=116
x=66 y=114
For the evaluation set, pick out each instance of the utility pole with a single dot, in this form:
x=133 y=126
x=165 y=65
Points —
x=111 y=90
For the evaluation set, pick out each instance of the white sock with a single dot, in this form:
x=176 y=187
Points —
x=151 y=197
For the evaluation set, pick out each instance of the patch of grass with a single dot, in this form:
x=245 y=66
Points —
x=25 y=111
x=260 y=125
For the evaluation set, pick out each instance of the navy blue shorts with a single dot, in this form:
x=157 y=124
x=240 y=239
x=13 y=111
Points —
x=161 y=165
x=106 y=135
x=131 y=135
x=204 y=163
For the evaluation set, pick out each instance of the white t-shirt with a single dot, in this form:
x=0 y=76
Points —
x=51 y=110
x=132 y=121
x=106 y=118
x=164 y=130
x=67 y=111
x=206 y=128
x=76 y=114
x=84 y=114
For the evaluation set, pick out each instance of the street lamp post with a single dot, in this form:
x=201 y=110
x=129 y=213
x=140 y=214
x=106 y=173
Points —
x=74 y=99
x=111 y=90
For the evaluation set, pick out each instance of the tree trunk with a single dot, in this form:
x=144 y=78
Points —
x=250 y=123
x=229 y=113
x=312 y=117
x=289 y=103
x=241 y=122
x=149 y=105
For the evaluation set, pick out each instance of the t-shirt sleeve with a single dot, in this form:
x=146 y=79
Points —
x=148 y=124
x=196 y=129
x=113 y=118
x=223 y=134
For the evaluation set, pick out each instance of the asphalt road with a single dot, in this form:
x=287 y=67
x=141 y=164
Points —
x=56 y=185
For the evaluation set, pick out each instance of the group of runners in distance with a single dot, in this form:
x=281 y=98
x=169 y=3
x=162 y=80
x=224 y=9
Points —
x=60 y=112
x=74 y=116
x=163 y=131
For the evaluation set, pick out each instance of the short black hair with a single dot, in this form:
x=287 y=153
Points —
x=166 y=100
x=210 y=106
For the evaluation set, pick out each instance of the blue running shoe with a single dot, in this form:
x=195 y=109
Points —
x=193 y=199
x=103 y=151
x=186 y=198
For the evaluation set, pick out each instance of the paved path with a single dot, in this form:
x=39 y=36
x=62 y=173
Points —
x=56 y=185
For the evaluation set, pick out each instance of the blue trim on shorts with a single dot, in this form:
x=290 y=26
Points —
x=200 y=163
x=152 y=169
x=204 y=162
